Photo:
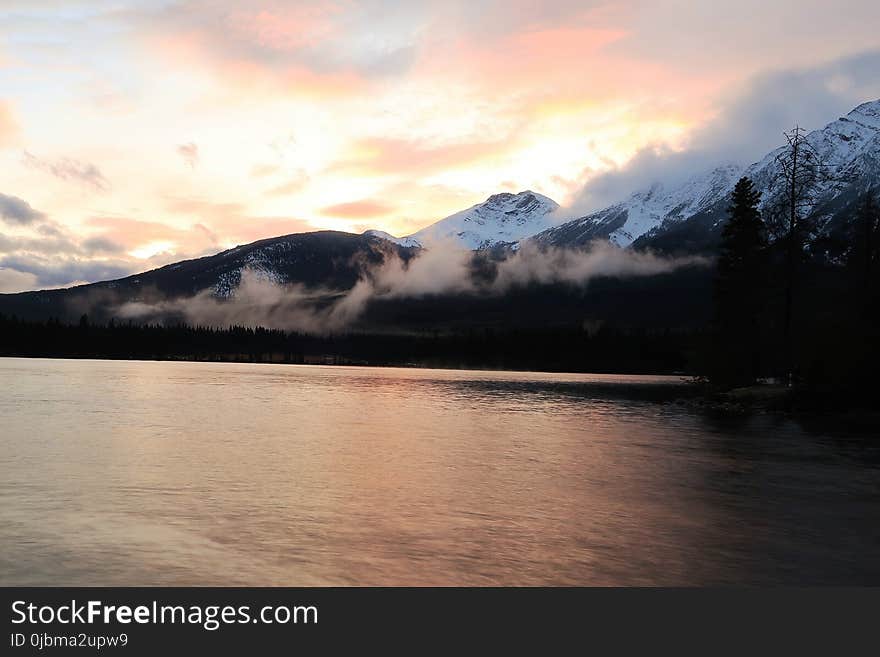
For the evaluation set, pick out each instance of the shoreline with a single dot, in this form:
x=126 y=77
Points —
x=684 y=378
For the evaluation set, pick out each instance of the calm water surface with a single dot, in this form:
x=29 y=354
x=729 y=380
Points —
x=145 y=473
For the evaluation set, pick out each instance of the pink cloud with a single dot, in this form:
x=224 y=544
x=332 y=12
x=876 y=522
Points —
x=363 y=209
x=283 y=28
x=131 y=233
x=231 y=222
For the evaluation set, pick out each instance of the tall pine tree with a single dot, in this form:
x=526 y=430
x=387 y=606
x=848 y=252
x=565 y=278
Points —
x=739 y=290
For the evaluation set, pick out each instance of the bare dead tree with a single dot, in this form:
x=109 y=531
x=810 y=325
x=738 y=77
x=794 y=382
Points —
x=802 y=179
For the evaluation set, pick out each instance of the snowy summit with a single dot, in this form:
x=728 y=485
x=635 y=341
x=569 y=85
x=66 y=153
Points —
x=502 y=218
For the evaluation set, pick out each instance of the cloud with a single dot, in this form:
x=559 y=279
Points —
x=750 y=125
x=369 y=37
x=130 y=233
x=46 y=244
x=712 y=38
x=263 y=170
x=383 y=155
x=256 y=302
x=190 y=154
x=232 y=221
x=8 y=125
x=50 y=257
x=306 y=40
x=64 y=271
x=441 y=270
x=99 y=244
x=70 y=169
x=362 y=209
x=445 y=269
x=293 y=184
x=12 y=280
x=51 y=239
x=18 y=211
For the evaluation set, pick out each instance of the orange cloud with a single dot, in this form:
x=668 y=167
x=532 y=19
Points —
x=292 y=186
x=363 y=209
x=258 y=228
x=379 y=155
x=131 y=233
x=263 y=170
x=232 y=223
x=8 y=125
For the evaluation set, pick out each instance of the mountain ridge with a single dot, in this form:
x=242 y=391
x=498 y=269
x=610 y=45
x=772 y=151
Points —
x=849 y=147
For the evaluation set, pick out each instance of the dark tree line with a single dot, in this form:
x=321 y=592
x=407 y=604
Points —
x=577 y=348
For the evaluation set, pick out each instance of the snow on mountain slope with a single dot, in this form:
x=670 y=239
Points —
x=848 y=147
x=647 y=210
x=408 y=242
x=625 y=222
x=499 y=219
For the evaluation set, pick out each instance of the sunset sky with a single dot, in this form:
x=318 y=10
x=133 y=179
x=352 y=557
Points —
x=134 y=133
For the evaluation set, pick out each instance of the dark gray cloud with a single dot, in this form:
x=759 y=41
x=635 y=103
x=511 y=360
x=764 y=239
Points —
x=52 y=240
x=57 y=272
x=69 y=169
x=750 y=125
x=49 y=257
x=18 y=211
x=96 y=245
x=50 y=230
x=45 y=245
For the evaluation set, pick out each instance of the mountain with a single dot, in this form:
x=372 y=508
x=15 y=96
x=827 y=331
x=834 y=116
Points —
x=688 y=217
x=328 y=260
x=625 y=222
x=502 y=218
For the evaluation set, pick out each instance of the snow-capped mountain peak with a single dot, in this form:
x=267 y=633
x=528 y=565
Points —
x=501 y=218
x=867 y=114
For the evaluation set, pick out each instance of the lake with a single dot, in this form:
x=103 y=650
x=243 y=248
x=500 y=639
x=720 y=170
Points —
x=161 y=473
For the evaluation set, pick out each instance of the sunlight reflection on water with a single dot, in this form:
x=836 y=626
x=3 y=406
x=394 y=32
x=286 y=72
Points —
x=207 y=473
